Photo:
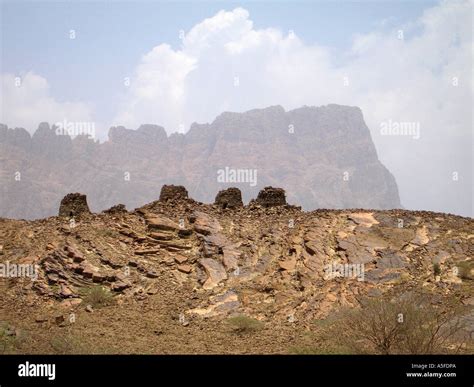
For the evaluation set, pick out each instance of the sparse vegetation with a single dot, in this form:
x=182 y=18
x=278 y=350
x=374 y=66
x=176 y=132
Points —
x=465 y=270
x=67 y=343
x=97 y=296
x=244 y=324
x=5 y=340
x=408 y=324
x=436 y=269
x=107 y=232
x=323 y=350
x=11 y=341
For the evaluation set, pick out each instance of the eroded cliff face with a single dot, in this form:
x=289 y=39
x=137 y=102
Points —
x=322 y=156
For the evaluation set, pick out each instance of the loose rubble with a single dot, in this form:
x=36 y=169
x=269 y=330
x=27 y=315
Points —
x=267 y=260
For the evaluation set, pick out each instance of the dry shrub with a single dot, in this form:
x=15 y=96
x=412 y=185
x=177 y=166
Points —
x=404 y=324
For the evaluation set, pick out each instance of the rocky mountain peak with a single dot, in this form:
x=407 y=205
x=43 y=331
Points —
x=323 y=157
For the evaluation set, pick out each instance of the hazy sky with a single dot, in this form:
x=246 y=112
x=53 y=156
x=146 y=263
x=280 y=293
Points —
x=405 y=64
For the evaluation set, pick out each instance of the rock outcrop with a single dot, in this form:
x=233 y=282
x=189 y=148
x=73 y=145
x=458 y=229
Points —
x=117 y=209
x=176 y=270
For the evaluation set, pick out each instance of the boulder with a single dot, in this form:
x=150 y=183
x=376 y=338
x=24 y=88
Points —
x=161 y=223
x=215 y=272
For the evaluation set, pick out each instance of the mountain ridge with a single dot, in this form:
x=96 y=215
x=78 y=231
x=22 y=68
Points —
x=323 y=157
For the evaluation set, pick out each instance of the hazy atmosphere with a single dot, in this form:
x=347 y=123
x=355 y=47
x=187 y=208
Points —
x=406 y=65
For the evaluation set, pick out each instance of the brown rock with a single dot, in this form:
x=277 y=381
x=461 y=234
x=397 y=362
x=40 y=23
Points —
x=158 y=222
x=147 y=251
x=52 y=278
x=185 y=232
x=161 y=236
x=185 y=268
x=288 y=264
x=205 y=224
x=180 y=258
x=60 y=320
x=66 y=291
x=231 y=258
x=167 y=260
x=151 y=274
x=117 y=209
x=73 y=253
x=98 y=277
x=173 y=246
x=391 y=260
x=70 y=303
x=41 y=319
x=88 y=270
x=215 y=272
x=119 y=286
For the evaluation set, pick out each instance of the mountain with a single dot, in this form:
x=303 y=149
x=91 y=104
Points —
x=323 y=157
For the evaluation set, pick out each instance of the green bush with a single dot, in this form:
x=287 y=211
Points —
x=11 y=343
x=405 y=324
x=66 y=344
x=335 y=350
x=436 y=269
x=97 y=296
x=244 y=324
x=464 y=270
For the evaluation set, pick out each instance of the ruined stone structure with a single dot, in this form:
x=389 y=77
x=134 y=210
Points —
x=117 y=209
x=270 y=197
x=173 y=192
x=229 y=198
x=73 y=205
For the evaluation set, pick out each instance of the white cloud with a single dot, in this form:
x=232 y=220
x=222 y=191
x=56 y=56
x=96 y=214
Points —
x=26 y=101
x=389 y=78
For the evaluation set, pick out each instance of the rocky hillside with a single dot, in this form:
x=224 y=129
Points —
x=170 y=276
x=323 y=157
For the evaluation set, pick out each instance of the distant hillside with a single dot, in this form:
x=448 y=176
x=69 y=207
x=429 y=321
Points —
x=323 y=157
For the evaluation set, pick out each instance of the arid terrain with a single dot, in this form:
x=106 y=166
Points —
x=179 y=276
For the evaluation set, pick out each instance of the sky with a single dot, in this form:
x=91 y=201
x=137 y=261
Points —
x=406 y=64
